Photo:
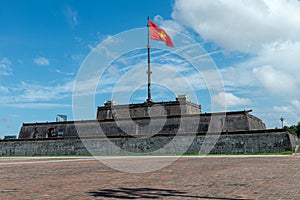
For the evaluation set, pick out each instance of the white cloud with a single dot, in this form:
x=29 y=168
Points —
x=41 y=61
x=99 y=38
x=241 y=25
x=282 y=55
x=71 y=16
x=274 y=71
x=31 y=92
x=4 y=90
x=167 y=77
x=283 y=109
x=78 y=58
x=237 y=77
x=36 y=105
x=267 y=34
x=169 y=25
x=275 y=81
x=64 y=73
x=290 y=113
x=26 y=92
x=296 y=104
x=229 y=100
x=5 y=67
x=266 y=31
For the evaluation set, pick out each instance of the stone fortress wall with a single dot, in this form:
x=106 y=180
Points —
x=245 y=142
x=145 y=119
x=233 y=121
x=182 y=106
x=150 y=128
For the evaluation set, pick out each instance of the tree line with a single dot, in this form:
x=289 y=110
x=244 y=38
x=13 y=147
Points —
x=294 y=129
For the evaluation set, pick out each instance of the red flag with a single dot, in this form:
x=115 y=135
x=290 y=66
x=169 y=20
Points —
x=158 y=33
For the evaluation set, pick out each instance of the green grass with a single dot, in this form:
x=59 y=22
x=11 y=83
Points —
x=280 y=153
x=187 y=154
x=260 y=153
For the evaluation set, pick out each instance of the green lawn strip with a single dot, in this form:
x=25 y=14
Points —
x=133 y=154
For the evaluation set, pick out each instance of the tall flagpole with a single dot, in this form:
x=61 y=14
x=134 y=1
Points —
x=149 y=100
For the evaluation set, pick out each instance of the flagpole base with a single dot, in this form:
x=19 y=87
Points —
x=149 y=101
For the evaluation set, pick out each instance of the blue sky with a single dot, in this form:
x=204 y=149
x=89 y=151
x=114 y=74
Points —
x=255 y=46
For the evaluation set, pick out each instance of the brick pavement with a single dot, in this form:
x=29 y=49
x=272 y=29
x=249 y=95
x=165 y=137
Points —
x=187 y=178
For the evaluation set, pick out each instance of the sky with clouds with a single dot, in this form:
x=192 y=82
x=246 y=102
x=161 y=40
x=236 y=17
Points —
x=255 y=46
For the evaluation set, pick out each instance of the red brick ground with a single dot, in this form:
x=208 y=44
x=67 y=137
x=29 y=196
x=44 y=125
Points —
x=187 y=178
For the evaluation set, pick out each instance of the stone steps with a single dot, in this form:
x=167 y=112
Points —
x=297 y=149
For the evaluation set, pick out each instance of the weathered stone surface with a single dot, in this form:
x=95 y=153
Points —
x=141 y=110
x=231 y=121
x=239 y=143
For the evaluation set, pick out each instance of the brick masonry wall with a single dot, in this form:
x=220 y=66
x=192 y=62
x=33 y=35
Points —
x=162 y=125
x=173 y=108
x=277 y=141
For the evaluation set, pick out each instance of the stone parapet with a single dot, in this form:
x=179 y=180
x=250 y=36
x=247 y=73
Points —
x=196 y=123
x=268 y=141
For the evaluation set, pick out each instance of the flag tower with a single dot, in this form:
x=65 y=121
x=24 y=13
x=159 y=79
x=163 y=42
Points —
x=155 y=33
x=149 y=100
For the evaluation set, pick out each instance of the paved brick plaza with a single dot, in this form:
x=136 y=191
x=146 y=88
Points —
x=187 y=178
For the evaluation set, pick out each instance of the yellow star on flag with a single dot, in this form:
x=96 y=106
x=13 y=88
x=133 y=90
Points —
x=162 y=35
x=157 y=33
